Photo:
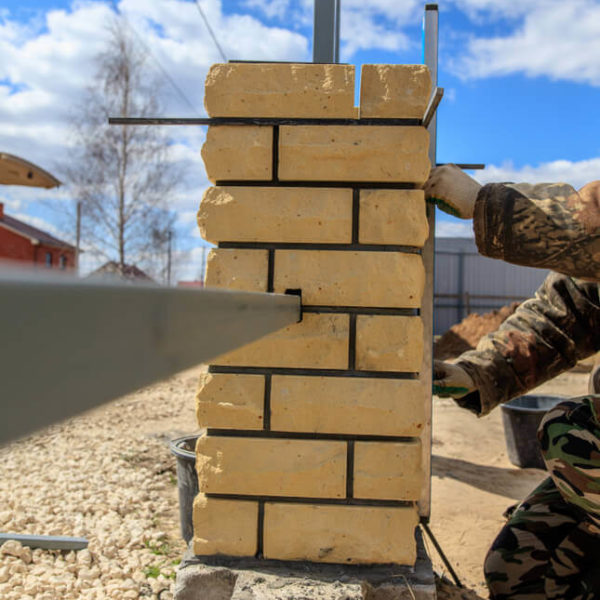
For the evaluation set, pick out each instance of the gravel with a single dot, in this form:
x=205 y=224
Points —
x=107 y=476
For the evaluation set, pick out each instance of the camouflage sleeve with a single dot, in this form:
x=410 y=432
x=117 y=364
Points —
x=546 y=335
x=549 y=226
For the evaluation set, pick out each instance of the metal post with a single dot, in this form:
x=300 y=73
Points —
x=169 y=237
x=430 y=54
x=78 y=236
x=460 y=307
x=326 y=32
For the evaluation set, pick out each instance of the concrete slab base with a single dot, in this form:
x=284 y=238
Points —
x=226 y=578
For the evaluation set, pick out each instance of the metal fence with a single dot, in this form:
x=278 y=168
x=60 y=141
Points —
x=467 y=282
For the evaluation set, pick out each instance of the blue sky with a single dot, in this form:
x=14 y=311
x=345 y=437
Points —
x=522 y=80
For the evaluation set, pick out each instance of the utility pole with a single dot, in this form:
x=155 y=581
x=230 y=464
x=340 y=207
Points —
x=77 y=236
x=169 y=237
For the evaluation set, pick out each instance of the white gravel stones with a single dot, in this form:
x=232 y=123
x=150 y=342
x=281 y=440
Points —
x=107 y=476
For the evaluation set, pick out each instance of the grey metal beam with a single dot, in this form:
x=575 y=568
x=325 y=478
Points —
x=68 y=346
x=326 y=31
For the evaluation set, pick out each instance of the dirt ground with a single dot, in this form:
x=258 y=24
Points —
x=474 y=482
x=109 y=476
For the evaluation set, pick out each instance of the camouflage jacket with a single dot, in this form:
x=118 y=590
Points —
x=551 y=226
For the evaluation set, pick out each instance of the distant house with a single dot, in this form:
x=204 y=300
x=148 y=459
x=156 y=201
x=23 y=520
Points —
x=196 y=283
x=113 y=270
x=25 y=243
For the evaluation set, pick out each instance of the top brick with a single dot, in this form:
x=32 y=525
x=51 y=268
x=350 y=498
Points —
x=280 y=90
x=394 y=91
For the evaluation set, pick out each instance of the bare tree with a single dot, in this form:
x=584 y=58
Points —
x=122 y=174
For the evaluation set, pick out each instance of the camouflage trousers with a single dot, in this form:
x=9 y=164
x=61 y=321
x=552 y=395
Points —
x=550 y=546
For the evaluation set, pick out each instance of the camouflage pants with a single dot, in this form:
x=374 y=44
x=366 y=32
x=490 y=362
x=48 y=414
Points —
x=550 y=547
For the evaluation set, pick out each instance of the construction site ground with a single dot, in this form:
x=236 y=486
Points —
x=109 y=476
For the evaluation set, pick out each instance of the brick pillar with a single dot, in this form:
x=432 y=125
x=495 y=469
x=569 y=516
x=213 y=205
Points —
x=313 y=446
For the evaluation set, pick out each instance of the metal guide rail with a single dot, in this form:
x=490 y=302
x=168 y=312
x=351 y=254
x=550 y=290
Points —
x=68 y=346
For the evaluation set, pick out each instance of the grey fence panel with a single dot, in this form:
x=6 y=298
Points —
x=467 y=282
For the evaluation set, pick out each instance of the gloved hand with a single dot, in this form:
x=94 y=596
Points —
x=452 y=190
x=451 y=381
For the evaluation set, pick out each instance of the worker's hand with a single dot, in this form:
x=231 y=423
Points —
x=451 y=381
x=452 y=190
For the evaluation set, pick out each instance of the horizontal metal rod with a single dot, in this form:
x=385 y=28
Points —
x=377 y=185
x=46 y=542
x=68 y=346
x=465 y=166
x=317 y=246
x=434 y=102
x=481 y=296
x=313 y=372
x=318 y=501
x=264 y=121
x=295 y=435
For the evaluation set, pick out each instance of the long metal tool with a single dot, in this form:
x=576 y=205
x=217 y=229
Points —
x=46 y=542
x=68 y=346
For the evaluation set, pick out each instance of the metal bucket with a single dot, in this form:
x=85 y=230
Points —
x=183 y=449
x=521 y=418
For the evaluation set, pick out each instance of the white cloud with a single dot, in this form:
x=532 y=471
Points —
x=485 y=10
x=463 y=229
x=575 y=173
x=270 y=8
x=375 y=24
x=555 y=39
x=48 y=63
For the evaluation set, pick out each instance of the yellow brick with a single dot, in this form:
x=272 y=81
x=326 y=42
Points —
x=234 y=269
x=340 y=534
x=319 y=341
x=353 y=153
x=344 y=278
x=280 y=90
x=389 y=343
x=276 y=214
x=230 y=401
x=225 y=526
x=393 y=217
x=350 y=405
x=388 y=470
x=271 y=467
x=238 y=152
x=394 y=91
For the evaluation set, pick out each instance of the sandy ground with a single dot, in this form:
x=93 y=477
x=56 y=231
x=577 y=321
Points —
x=109 y=476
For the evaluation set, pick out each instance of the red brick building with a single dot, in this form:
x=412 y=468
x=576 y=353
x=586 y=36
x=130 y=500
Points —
x=22 y=242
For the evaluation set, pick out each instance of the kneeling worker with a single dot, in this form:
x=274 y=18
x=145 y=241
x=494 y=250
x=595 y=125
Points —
x=550 y=546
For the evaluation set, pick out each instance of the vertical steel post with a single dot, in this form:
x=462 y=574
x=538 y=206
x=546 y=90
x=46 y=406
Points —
x=77 y=236
x=430 y=58
x=326 y=32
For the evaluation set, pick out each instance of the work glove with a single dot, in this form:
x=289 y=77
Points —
x=451 y=381
x=452 y=190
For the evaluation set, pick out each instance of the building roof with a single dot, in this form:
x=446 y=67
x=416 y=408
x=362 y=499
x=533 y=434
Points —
x=18 y=171
x=37 y=236
x=127 y=272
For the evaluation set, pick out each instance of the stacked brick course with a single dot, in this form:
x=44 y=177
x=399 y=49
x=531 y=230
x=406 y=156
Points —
x=314 y=445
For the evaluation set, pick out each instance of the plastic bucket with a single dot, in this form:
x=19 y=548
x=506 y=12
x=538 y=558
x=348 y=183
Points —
x=183 y=449
x=521 y=418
